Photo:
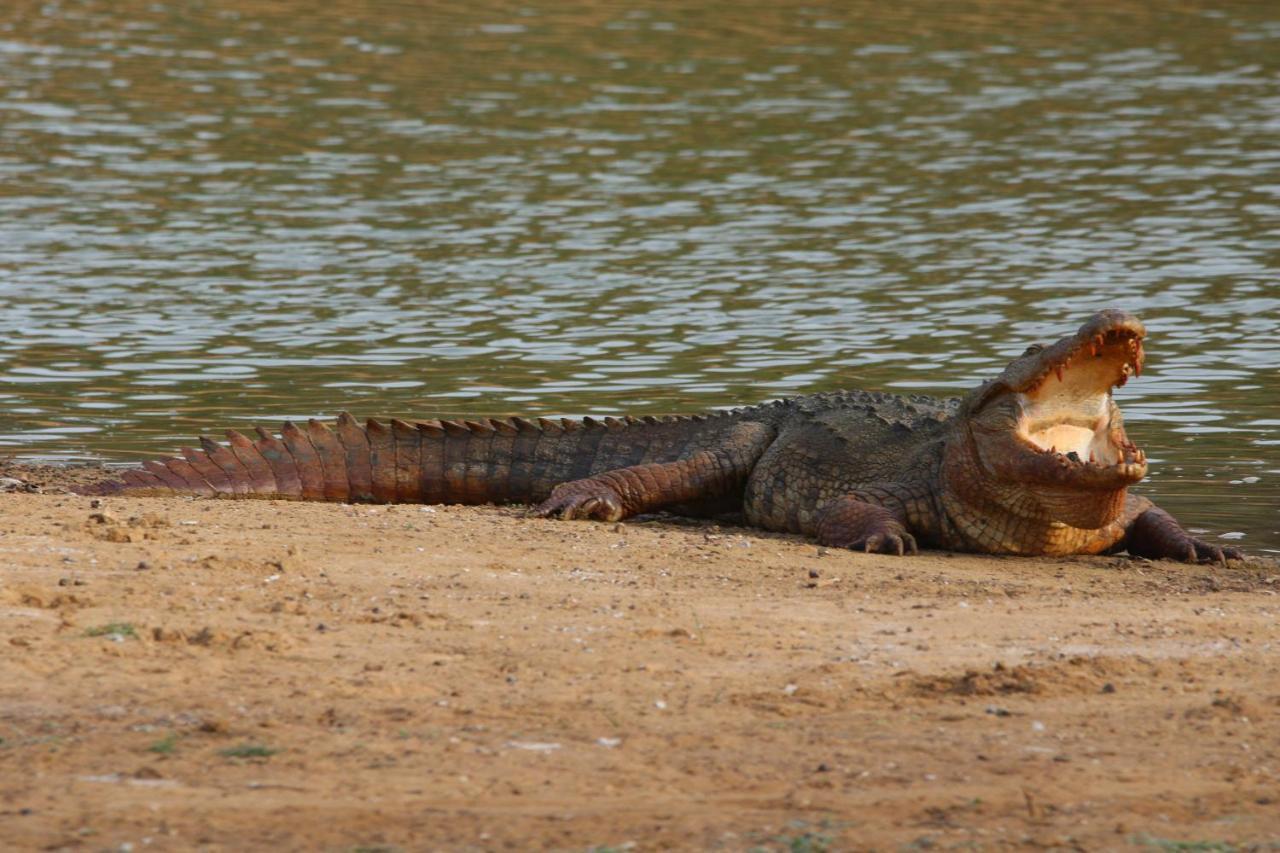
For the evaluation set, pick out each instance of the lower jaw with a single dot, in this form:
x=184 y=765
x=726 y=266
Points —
x=1045 y=470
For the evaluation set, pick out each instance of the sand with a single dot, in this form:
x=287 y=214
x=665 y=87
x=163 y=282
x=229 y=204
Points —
x=253 y=675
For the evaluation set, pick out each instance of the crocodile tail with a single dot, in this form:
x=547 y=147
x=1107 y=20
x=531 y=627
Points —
x=474 y=461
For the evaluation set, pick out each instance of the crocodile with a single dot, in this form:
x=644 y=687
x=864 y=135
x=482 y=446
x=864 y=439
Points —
x=1035 y=461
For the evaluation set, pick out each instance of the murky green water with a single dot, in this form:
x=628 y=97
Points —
x=215 y=213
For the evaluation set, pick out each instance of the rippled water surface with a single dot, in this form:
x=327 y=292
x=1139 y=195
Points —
x=215 y=213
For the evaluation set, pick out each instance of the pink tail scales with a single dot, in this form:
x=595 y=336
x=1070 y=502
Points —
x=475 y=461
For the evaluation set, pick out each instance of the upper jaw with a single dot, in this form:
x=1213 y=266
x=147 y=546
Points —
x=1109 y=338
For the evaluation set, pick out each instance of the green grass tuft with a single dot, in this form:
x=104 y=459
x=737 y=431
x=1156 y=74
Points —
x=805 y=842
x=113 y=629
x=248 y=750
x=165 y=745
x=1186 y=846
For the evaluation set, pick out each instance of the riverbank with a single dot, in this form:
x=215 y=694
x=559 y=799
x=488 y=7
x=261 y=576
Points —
x=250 y=675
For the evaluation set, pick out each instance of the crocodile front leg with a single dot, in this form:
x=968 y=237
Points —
x=624 y=492
x=1152 y=532
x=856 y=522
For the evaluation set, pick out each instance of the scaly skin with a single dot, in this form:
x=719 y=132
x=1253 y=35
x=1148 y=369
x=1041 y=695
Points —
x=853 y=469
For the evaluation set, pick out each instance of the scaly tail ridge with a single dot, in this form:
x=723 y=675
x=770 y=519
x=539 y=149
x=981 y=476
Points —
x=436 y=461
x=262 y=480
x=283 y=468
x=356 y=446
x=332 y=457
x=305 y=461
x=382 y=461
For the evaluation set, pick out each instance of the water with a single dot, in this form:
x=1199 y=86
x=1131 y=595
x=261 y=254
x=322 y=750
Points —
x=214 y=214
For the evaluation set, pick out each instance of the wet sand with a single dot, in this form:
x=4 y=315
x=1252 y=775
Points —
x=236 y=675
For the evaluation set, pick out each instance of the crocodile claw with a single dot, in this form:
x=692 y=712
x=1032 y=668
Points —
x=584 y=499
x=1192 y=550
x=887 y=542
x=859 y=526
x=1156 y=535
x=1206 y=552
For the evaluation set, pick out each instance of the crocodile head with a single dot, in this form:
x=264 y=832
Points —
x=1046 y=439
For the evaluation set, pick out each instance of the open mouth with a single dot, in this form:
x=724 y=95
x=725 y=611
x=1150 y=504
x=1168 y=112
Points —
x=1066 y=408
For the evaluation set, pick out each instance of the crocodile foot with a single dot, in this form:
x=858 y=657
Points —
x=587 y=498
x=861 y=526
x=1156 y=535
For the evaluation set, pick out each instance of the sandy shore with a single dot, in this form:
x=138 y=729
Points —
x=234 y=675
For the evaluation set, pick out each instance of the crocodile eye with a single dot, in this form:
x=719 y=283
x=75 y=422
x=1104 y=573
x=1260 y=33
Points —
x=1034 y=348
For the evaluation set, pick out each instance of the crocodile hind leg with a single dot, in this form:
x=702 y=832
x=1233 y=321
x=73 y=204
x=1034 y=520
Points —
x=707 y=474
